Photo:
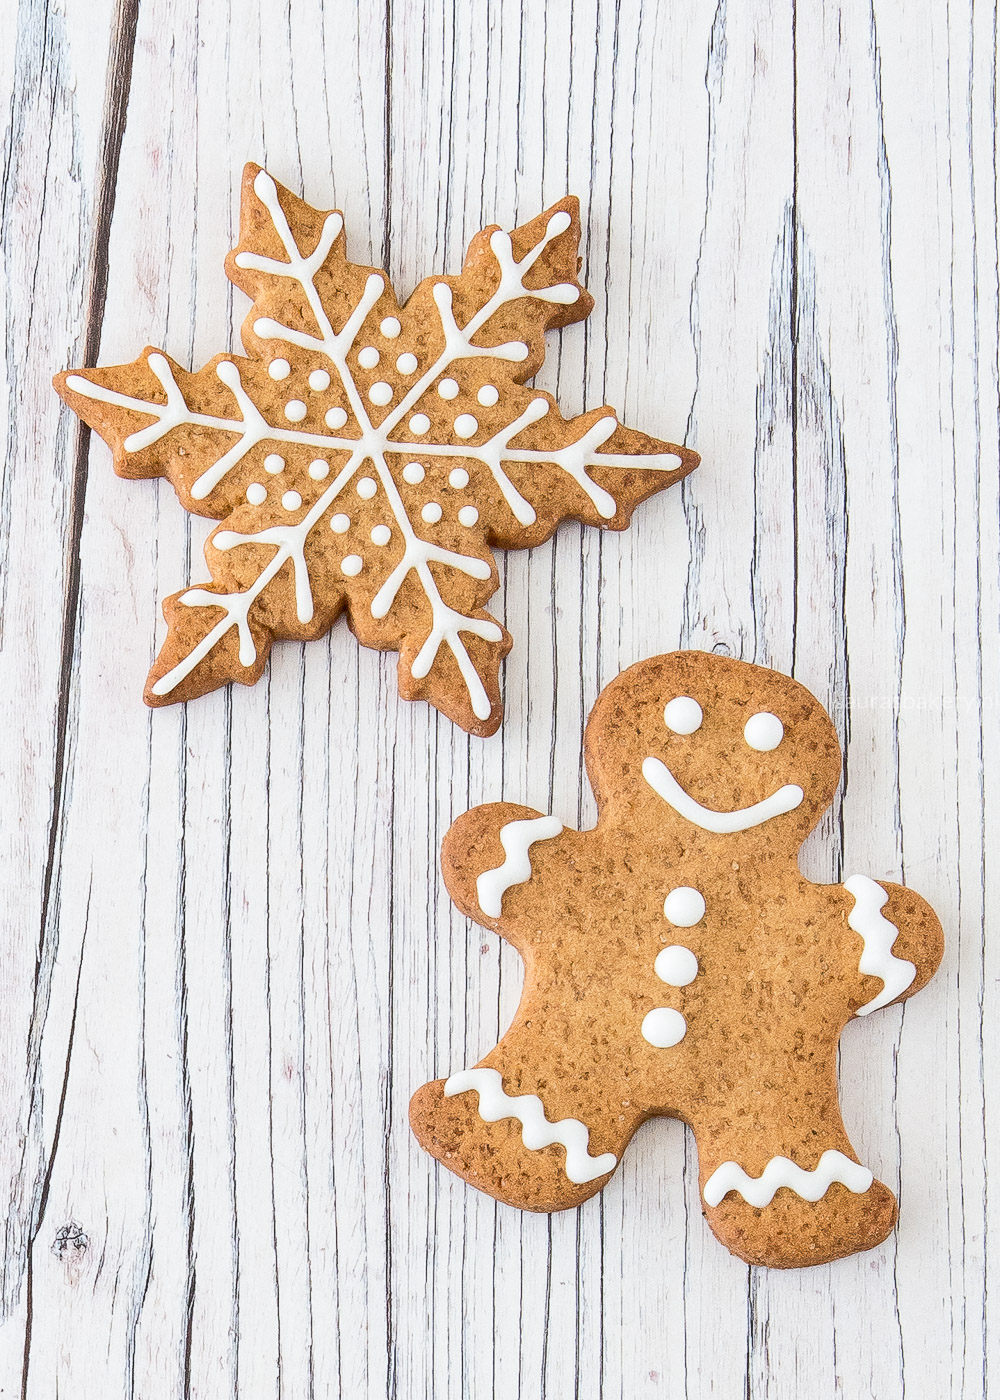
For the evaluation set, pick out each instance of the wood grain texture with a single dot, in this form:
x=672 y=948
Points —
x=228 y=957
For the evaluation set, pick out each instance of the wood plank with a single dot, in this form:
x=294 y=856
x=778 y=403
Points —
x=62 y=84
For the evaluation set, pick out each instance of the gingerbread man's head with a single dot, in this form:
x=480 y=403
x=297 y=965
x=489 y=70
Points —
x=726 y=748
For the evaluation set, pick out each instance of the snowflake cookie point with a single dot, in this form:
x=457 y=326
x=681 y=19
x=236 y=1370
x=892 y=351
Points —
x=319 y=423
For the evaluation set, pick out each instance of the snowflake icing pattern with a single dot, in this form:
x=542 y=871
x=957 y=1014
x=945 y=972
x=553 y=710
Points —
x=399 y=445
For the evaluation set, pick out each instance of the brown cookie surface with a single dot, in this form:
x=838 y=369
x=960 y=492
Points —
x=364 y=457
x=678 y=964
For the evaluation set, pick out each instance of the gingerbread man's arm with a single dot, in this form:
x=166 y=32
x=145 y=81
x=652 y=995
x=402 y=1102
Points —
x=489 y=854
x=536 y=1123
x=897 y=937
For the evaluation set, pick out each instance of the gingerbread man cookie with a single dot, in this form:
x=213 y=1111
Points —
x=677 y=963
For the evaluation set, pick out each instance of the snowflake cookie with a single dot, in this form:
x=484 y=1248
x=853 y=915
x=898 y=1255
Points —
x=365 y=456
x=677 y=963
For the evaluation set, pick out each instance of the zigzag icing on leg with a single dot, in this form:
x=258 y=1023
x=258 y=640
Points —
x=536 y=1130
x=782 y=1171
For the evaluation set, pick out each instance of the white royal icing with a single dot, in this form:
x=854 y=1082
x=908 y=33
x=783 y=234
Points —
x=515 y=838
x=877 y=958
x=676 y=965
x=763 y=731
x=536 y=1130
x=684 y=907
x=781 y=1171
x=682 y=714
x=663 y=782
x=664 y=1027
x=372 y=443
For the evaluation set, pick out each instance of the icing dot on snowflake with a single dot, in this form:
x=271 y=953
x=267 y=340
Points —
x=466 y=425
x=351 y=565
x=390 y=328
x=684 y=906
x=676 y=965
x=295 y=410
x=419 y=423
x=458 y=477
x=413 y=473
x=448 y=389
x=369 y=357
x=320 y=380
x=431 y=513
x=279 y=369
x=664 y=1027
x=319 y=469
x=380 y=393
x=381 y=534
x=340 y=523
x=335 y=418
x=407 y=363
x=488 y=395
x=256 y=494
x=366 y=488
x=468 y=516
x=274 y=464
x=291 y=500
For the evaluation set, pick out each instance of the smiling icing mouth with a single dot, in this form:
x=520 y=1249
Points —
x=665 y=785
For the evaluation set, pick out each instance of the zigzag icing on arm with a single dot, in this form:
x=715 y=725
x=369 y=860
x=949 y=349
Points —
x=877 y=958
x=515 y=838
x=782 y=1171
x=536 y=1130
x=665 y=785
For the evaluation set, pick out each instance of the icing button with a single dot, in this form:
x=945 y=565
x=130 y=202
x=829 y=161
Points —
x=676 y=965
x=684 y=906
x=663 y=1027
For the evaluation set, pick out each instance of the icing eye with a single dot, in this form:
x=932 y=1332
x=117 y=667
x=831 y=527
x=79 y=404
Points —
x=764 y=731
x=683 y=715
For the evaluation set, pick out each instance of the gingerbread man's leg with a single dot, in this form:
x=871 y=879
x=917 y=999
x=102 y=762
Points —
x=780 y=1182
x=532 y=1124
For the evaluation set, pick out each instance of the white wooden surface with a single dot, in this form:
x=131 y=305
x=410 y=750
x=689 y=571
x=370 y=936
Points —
x=227 y=955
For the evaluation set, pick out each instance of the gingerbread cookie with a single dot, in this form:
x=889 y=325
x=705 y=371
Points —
x=677 y=963
x=365 y=456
